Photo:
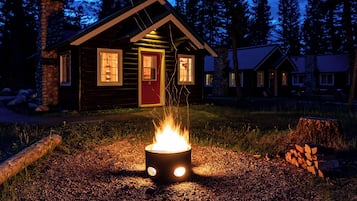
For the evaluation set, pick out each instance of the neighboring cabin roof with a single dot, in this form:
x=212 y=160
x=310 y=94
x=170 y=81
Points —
x=156 y=21
x=327 y=63
x=251 y=58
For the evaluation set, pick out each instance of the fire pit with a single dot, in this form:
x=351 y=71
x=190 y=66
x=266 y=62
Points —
x=168 y=159
x=168 y=166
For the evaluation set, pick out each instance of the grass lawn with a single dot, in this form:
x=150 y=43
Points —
x=253 y=132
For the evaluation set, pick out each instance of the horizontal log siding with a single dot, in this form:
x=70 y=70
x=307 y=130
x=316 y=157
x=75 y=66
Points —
x=102 y=97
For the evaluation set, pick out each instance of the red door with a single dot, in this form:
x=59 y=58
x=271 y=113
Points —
x=150 y=78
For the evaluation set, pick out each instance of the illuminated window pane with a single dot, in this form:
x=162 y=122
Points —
x=260 y=79
x=149 y=67
x=232 y=79
x=208 y=79
x=109 y=67
x=284 y=79
x=186 y=69
x=65 y=69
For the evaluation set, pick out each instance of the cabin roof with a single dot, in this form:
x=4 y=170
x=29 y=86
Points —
x=252 y=58
x=327 y=63
x=148 y=15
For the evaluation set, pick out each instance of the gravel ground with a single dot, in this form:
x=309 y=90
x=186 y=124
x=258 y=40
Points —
x=116 y=172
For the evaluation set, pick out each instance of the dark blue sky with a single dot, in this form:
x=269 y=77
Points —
x=274 y=4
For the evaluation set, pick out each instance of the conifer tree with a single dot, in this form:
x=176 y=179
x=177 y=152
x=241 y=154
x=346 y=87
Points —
x=261 y=27
x=289 y=26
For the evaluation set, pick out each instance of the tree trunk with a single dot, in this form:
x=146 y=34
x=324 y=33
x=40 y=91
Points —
x=315 y=130
x=235 y=65
x=353 y=84
x=27 y=156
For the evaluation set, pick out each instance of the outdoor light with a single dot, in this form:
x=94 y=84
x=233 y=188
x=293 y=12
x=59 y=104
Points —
x=151 y=171
x=180 y=171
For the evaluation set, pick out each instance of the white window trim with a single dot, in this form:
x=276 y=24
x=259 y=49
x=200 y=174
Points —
x=258 y=85
x=120 y=67
x=192 y=69
x=69 y=69
x=327 y=84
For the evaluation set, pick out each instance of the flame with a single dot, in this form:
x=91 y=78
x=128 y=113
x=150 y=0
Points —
x=169 y=137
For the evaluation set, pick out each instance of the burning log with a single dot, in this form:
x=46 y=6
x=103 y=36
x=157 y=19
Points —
x=27 y=156
x=316 y=159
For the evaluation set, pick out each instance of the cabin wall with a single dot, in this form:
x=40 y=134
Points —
x=106 y=97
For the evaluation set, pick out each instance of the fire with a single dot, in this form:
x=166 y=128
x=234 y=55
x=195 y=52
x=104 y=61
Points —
x=169 y=137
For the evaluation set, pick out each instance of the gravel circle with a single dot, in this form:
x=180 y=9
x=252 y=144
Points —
x=116 y=172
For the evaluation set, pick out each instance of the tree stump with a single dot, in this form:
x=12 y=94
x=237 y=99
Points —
x=316 y=130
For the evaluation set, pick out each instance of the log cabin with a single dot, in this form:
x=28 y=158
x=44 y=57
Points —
x=132 y=58
x=263 y=70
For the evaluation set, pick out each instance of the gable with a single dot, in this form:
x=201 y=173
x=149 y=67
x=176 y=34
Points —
x=140 y=20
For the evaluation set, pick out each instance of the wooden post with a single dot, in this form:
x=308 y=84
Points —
x=27 y=156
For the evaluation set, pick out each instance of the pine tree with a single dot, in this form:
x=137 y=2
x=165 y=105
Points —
x=289 y=26
x=18 y=19
x=110 y=6
x=312 y=29
x=262 y=25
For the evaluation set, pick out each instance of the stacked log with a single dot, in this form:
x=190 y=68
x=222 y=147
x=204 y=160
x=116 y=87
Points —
x=316 y=159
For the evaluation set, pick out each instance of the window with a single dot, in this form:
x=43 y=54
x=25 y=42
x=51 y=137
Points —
x=186 y=73
x=298 y=80
x=284 y=79
x=109 y=67
x=149 y=67
x=348 y=78
x=326 y=79
x=260 y=78
x=65 y=68
x=232 y=79
x=208 y=79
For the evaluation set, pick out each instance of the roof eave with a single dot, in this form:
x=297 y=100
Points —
x=118 y=19
x=176 y=22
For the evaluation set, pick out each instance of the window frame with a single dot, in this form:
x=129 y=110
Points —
x=232 y=81
x=209 y=79
x=119 y=67
x=260 y=82
x=68 y=67
x=152 y=69
x=284 y=82
x=326 y=79
x=296 y=82
x=192 y=70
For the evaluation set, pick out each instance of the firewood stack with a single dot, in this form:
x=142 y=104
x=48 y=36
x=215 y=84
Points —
x=316 y=159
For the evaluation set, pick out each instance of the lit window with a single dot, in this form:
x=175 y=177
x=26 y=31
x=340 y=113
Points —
x=298 y=80
x=149 y=67
x=284 y=79
x=109 y=67
x=208 y=79
x=327 y=79
x=186 y=73
x=232 y=79
x=65 y=69
x=260 y=78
